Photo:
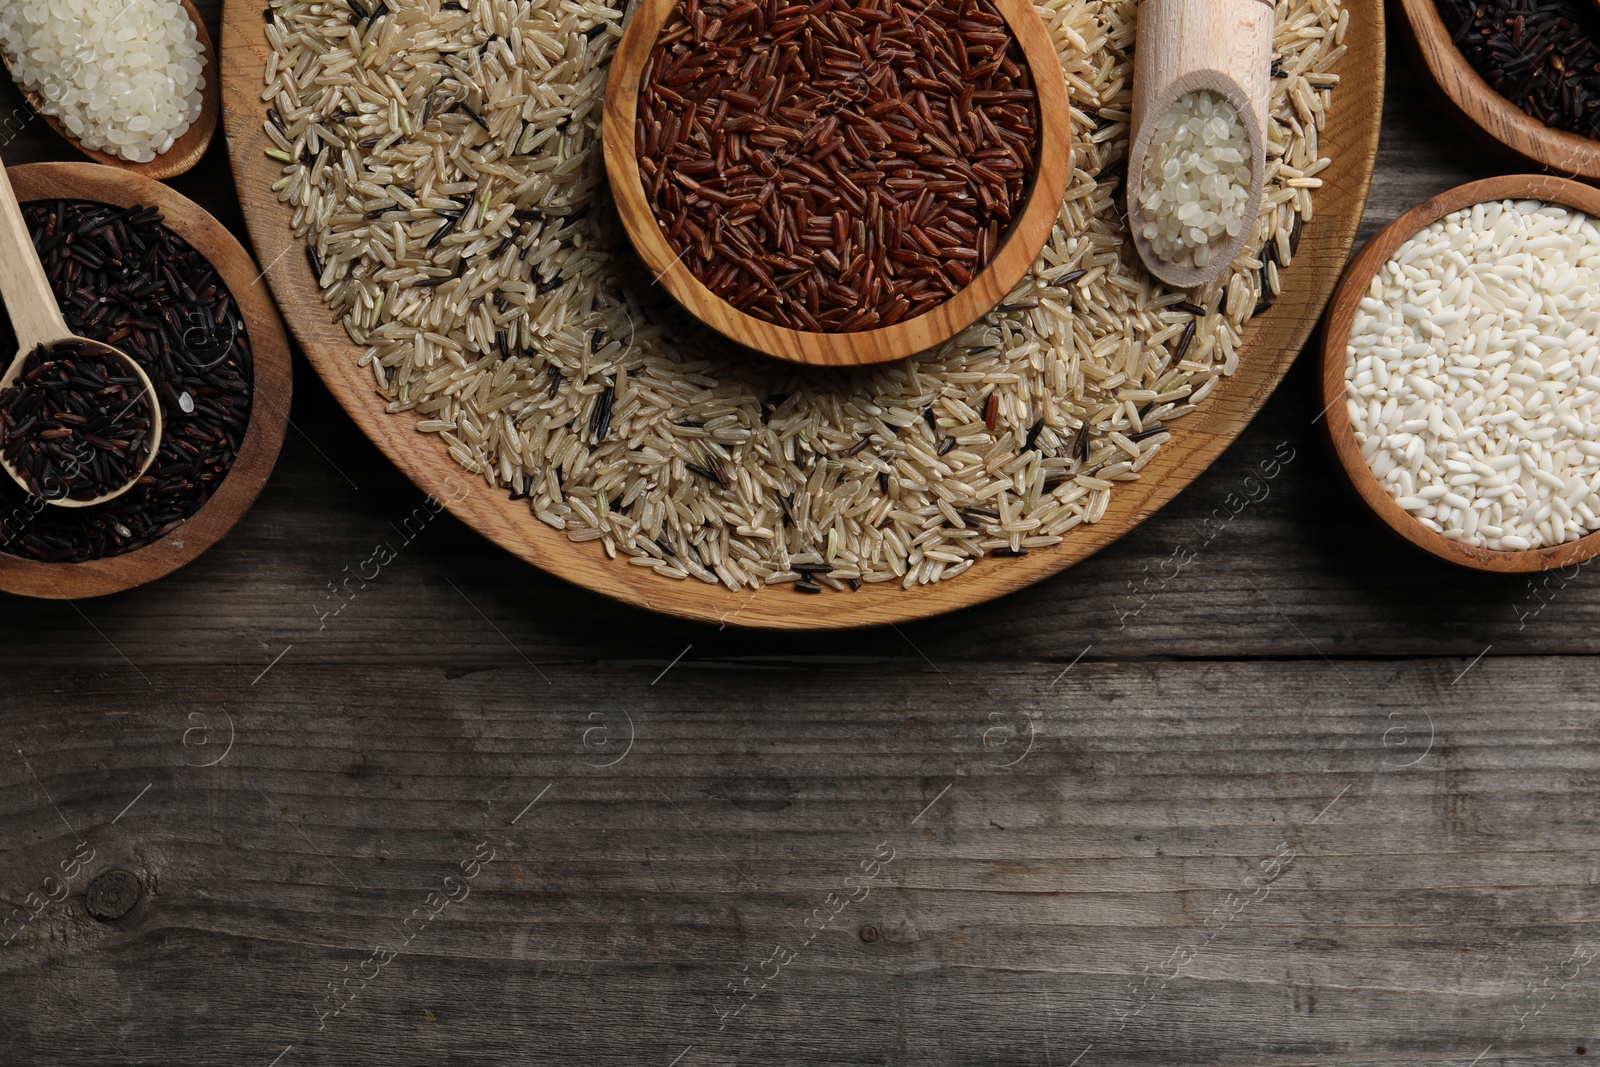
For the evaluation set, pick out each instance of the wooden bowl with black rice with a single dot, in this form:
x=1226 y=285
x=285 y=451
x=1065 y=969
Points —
x=137 y=265
x=1521 y=81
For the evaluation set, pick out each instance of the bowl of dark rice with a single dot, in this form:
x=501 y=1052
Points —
x=1523 y=76
x=138 y=266
x=840 y=182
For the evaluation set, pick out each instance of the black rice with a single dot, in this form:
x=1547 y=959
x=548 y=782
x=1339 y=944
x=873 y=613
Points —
x=1541 y=55
x=76 y=422
x=122 y=277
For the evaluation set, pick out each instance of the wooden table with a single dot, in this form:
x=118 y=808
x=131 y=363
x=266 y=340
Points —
x=1311 y=798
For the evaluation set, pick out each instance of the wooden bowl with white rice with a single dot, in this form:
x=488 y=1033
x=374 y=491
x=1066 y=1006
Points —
x=1461 y=374
x=131 y=84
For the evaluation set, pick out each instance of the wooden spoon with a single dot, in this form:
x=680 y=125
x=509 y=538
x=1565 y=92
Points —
x=186 y=150
x=1184 y=46
x=38 y=321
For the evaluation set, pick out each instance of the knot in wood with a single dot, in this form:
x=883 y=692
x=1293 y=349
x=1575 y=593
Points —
x=112 y=895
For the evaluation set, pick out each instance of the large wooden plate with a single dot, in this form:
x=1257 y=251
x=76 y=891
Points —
x=1271 y=344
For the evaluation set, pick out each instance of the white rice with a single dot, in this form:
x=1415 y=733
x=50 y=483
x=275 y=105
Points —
x=1196 y=179
x=887 y=473
x=123 y=76
x=1472 y=375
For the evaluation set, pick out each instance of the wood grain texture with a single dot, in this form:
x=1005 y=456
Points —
x=1335 y=342
x=1142 y=863
x=187 y=150
x=272 y=376
x=1464 y=95
x=1270 y=344
x=1187 y=46
x=1018 y=251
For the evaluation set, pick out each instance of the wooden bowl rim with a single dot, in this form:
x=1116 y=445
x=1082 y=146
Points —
x=1478 y=105
x=1019 y=247
x=187 y=150
x=1271 y=344
x=272 y=383
x=1335 y=338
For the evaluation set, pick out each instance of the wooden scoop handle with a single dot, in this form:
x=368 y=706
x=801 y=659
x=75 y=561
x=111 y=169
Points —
x=28 y=296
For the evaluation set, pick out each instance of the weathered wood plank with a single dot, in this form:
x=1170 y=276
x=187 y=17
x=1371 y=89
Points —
x=1338 y=903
